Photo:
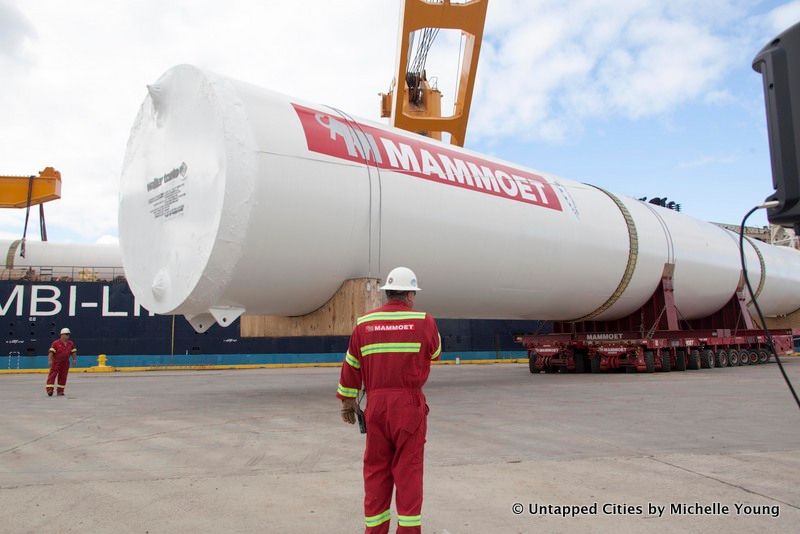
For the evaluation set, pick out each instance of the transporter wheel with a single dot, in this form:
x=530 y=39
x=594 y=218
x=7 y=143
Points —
x=649 y=361
x=744 y=357
x=754 y=357
x=666 y=362
x=721 y=358
x=707 y=359
x=763 y=356
x=594 y=362
x=532 y=363
x=733 y=357
x=581 y=365
x=680 y=360
x=693 y=361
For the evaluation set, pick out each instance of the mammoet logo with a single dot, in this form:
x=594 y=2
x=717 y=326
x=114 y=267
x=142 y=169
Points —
x=603 y=337
x=385 y=149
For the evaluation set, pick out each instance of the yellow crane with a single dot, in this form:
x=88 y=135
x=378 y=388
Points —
x=24 y=191
x=412 y=104
x=27 y=191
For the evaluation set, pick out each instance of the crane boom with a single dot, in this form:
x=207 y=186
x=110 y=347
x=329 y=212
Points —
x=412 y=104
x=24 y=191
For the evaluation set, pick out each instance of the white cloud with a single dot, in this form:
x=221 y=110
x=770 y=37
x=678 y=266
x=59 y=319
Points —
x=15 y=32
x=782 y=17
x=704 y=161
x=107 y=240
x=563 y=64
x=719 y=97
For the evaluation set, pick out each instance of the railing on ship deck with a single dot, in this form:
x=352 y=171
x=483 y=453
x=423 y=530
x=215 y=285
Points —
x=64 y=274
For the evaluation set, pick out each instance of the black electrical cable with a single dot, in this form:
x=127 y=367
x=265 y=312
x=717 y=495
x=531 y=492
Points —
x=758 y=308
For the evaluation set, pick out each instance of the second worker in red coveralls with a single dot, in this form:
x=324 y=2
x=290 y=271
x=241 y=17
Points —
x=58 y=357
x=390 y=355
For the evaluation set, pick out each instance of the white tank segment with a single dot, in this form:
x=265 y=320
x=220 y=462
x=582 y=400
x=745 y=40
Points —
x=68 y=261
x=237 y=199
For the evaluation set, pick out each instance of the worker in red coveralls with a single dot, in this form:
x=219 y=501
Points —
x=58 y=357
x=390 y=354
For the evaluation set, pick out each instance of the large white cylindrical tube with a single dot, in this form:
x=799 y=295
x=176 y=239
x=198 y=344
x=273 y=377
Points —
x=234 y=197
x=54 y=261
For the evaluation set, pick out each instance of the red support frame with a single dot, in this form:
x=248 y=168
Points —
x=645 y=339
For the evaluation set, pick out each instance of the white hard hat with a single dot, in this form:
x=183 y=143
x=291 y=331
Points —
x=401 y=279
x=65 y=331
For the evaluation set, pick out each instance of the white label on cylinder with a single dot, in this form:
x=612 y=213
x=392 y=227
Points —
x=167 y=201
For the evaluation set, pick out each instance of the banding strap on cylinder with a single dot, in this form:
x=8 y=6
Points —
x=763 y=269
x=12 y=251
x=633 y=254
x=368 y=151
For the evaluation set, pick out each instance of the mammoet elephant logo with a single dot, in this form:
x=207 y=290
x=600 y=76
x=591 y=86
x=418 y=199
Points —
x=383 y=148
x=359 y=143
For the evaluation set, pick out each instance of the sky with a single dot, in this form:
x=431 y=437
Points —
x=644 y=98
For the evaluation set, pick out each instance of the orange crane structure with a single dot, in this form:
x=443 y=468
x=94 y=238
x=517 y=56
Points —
x=27 y=191
x=412 y=104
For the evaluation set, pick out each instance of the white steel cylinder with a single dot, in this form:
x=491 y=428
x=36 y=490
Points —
x=235 y=197
x=48 y=254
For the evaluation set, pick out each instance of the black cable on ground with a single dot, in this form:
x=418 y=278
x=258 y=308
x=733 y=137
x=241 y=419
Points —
x=758 y=308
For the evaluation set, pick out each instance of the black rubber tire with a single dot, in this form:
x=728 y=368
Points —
x=680 y=360
x=733 y=358
x=532 y=363
x=754 y=357
x=763 y=356
x=693 y=360
x=744 y=357
x=666 y=362
x=707 y=359
x=649 y=361
x=594 y=363
x=580 y=361
x=721 y=358
x=549 y=369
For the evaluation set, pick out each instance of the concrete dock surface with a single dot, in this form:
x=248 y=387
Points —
x=265 y=451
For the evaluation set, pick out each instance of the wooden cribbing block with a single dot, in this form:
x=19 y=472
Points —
x=337 y=317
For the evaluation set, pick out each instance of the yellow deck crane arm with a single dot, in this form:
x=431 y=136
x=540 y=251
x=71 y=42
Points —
x=22 y=191
x=412 y=104
x=27 y=191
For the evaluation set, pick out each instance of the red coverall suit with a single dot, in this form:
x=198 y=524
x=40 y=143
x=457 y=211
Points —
x=61 y=351
x=390 y=352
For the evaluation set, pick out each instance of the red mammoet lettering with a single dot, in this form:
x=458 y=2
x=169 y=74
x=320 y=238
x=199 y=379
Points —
x=333 y=136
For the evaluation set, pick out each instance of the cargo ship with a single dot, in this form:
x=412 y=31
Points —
x=83 y=287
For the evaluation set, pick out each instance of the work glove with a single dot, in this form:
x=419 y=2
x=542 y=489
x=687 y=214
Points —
x=349 y=411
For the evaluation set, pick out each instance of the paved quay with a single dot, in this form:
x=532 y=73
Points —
x=264 y=451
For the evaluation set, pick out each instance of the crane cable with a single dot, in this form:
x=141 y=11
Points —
x=42 y=222
x=415 y=72
x=758 y=308
x=27 y=216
